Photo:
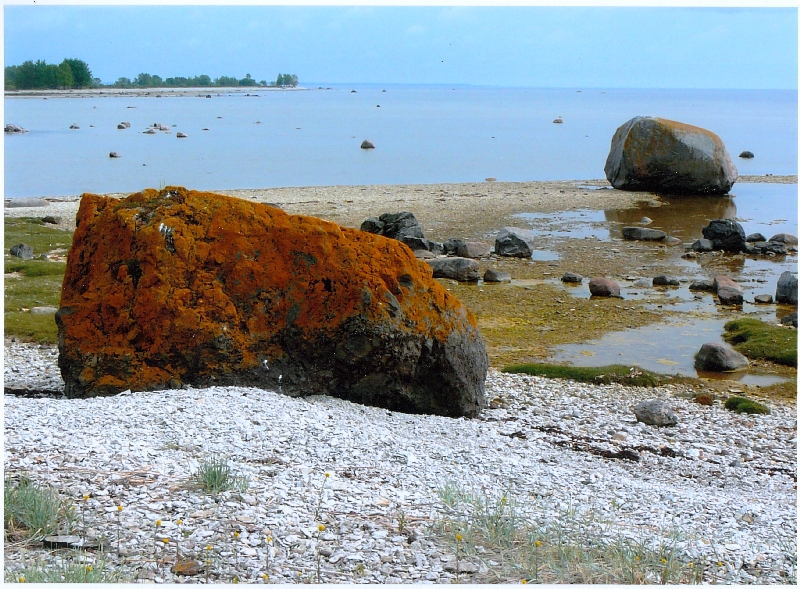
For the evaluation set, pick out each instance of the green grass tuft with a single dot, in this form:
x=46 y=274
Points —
x=79 y=567
x=745 y=405
x=758 y=340
x=36 y=510
x=215 y=475
x=613 y=374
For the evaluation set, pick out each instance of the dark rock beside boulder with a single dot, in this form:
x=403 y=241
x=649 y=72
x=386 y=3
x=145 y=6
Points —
x=367 y=144
x=51 y=220
x=786 y=238
x=748 y=155
x=461 y=269
x=496 y=276
x=769 y=247
x=763 y=299
x=786 y=292
x=451 y=245
x=655 y=412
x=790 y=319
x=703 y=285
x=728 y=292
x=372 y=225
x=664 y=280
x=23 y=250
x=726 y=235
x=208 y=290
x=420 y=243
x=753 y=237
x=643 y=234
x=571 y=277
x=719 y=357
x=603 y=287
x=514 y=242
x=703 y=245
x=659 y=155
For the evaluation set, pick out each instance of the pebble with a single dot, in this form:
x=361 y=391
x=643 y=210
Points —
x=139 y=450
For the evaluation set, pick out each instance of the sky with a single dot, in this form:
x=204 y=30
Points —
x=513 y=46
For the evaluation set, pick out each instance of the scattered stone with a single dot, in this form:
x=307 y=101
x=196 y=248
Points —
x=571 y=277
x=43 y=310
x=122 y=126
x=19 y=203
x=424 y=254
x=643 y=234
x=23 y=250
x=775 y=248
x=450 y=247
x=786 y=291
x=658 y=155
x=14 y=129
x=51 y=220
x=748 y=155
x=719 y=357
x=645 y=220
x=367 y=145
x=726 y=235
x=763 y=299
x=655 y=412
x=496 y=276
x=558 y=120
x=790 y=319
x=664 y=280
x=672 y=240
x=74 y=126
x=187 y=568
x=71 y=542
x=461 y=269
x=786 y=238
x=703 y=245
x=307 y=307
x=113 y=154
x=728 y=292
x=180 y=135
x=150 y=132
x=514 y=242
x=490 y=180
x=753 y=237
x=603 y=287
x=703 y=285
x=473 y=249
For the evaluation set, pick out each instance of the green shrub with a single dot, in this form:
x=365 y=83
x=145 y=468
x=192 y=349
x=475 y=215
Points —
x=745 y=405
x=215 y=475
x=37 y=510
x=613 y=374
x=758 y=340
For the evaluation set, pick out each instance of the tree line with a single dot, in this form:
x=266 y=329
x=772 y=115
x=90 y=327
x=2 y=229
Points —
x=70 y=73
x=74 y=73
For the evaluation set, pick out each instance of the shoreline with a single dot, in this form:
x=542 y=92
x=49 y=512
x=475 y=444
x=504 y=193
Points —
x=198 y=91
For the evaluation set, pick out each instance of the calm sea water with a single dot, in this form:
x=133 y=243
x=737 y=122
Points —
x=421 y=134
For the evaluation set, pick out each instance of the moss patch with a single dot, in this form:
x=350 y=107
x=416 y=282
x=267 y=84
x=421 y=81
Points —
x=745 y=405
x=613 y=374
x=758 y=340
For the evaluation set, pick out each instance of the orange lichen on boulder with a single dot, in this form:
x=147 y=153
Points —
x=182 y=287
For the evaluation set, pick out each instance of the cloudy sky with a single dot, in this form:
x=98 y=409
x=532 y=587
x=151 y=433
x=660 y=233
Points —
x=532 y=46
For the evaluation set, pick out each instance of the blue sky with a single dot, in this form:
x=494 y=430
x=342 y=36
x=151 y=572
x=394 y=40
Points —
x=534 y=46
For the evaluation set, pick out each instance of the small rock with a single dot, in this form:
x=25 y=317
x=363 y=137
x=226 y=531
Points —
x=703 y=285
x=113 y=154
x=603 y=287
x=763 y=299
x=23 y=251
x=726 y=235
x=728 y=291
x=655 y=412
x=643 y=234
x=496 y=276
x=187 y=568
x=786 y=238
x=43 y=310
x=663 y=280
x=572 y=277
x=703 y=245
x=719 y=357
x=786 y=291
x=473 y=249
x=51 y=220
x=180 y=135
x=558 y=120
x=367 y=144
x=753 y=237
x=514 y=242
x=461 y=269
x=748 y=155
x=790 y=319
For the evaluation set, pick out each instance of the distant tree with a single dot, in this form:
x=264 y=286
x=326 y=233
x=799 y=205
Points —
x=226 y=81
x=122 y=83
x=81 y=74
x=143 y=80
x=64 y=77
x=279 y=81
x=247 y=81
x=203 y=80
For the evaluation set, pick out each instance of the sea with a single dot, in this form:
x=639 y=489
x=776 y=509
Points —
x=312 y=137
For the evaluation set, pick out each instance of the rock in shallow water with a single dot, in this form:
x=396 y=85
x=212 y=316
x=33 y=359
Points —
x=182 y=287
x=719 y=357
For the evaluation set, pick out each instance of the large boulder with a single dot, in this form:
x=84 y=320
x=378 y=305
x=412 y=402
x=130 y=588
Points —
x=659 y=155
x=786 y=291
x=726 y=235
x=180 y=287
x=655 y=412
x=600 y=286
x=514 y=242
x=22 y=250
x=719 y=357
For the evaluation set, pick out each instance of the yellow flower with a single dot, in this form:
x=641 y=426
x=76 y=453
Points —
x=119 y=507
x=524 y=581
x=158 y=523
x=691 y=564
x=236 y=534
x=166 y=540
x=664 y=560
x=179 y=522
x=538 y=543
x=458 y=538
x=86 y=497
x=22 y=579
x=88 y=568
x=637 y=558
x=265 y=576
x=719 y=564
x=321 y=528
x=208 y=547
x=327 y=474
